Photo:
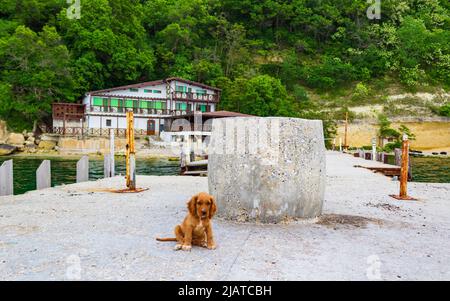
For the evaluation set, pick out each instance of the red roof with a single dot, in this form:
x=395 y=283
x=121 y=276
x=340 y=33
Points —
x=153 y=83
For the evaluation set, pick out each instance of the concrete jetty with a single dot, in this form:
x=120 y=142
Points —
x=81 y=232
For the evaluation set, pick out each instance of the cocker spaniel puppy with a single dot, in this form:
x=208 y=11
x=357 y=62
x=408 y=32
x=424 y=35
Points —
x=196 y=228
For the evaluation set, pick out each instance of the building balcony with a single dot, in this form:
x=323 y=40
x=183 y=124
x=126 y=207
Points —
x=122 y=111
x=195 y=97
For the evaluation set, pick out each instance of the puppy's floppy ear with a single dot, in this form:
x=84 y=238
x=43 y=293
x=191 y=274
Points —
x=213 y=207
x=191 y=205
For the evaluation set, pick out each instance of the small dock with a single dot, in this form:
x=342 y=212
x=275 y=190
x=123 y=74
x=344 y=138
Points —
x=380 y=165
x=195 y=168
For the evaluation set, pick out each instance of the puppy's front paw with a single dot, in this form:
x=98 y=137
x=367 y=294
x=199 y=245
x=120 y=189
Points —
x=212 y=246
x=177 y=247
x=186 y=248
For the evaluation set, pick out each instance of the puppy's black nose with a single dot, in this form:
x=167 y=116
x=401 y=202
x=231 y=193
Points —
x=203 y=210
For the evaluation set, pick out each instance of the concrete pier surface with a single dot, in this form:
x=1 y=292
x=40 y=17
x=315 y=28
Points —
x=79 y=232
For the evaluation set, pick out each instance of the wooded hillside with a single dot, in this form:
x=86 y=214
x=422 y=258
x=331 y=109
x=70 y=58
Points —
x=268 y=56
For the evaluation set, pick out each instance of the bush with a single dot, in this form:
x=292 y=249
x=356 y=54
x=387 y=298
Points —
x=360 y=91
x=331 y=73
x=389 y=147
x=445 y=110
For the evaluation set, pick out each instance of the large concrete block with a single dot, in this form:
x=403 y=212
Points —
x=267 y=169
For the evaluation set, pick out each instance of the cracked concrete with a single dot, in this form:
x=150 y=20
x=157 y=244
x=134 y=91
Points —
x=79 y=232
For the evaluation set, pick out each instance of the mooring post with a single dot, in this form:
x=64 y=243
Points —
x=397 y=156
x=83 y=169
x=130 y=154
x=346 y=130
x=112 y=169
x=374 y=149
x=43 y=175
x=107 y=166
x=404 y=171
x=404 y=167
x=6 y=178
x=340 y=144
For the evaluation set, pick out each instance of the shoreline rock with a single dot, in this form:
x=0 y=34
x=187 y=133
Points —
x=6 y=149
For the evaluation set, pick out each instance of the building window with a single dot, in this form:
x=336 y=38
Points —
x=180 y=88
x=134 y=90
x=181 y=106
x=201 y=91
x=152 y=91
x=108 y=122
x=97 y=101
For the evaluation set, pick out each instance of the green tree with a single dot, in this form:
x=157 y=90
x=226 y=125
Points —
x=35 y=72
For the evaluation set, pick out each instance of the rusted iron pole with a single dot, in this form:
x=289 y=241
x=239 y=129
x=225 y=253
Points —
x=130 y=154
x=404 y=167
x=404 y=171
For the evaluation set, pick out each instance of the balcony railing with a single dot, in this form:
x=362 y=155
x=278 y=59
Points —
x=105 y=109
x=195 y=97
x=105 y=132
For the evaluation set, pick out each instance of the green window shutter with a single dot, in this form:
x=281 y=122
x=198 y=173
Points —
x=181 y=88
x=143 y=105
x=134 y=90
x=147 y=91
x=203 y=108
x=158 y=105
x=184 y=106
x=105 y=102
x=163 y=105
x=114 y=102
x=98 y=101
x=129 y=103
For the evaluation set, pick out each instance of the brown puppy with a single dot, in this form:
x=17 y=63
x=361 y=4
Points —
x=196 y=228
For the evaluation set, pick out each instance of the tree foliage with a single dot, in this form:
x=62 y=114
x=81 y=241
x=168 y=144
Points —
x=265 y=54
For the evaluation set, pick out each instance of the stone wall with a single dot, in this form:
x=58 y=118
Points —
x=67 y=145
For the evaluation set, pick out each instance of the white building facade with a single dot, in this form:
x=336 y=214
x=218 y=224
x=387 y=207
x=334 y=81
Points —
x=151 y=102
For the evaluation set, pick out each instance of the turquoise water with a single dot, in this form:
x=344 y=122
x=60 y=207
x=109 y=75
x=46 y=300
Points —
x=428 y=169
x=63 y=170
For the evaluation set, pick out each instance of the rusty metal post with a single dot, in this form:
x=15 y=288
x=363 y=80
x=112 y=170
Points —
x=404 y=167
x=404 y=171
x=130 y=154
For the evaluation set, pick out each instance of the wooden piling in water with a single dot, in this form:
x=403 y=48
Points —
x=6 y=178
x=43 y=175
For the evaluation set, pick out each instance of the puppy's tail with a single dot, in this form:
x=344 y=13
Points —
x=166 y=239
